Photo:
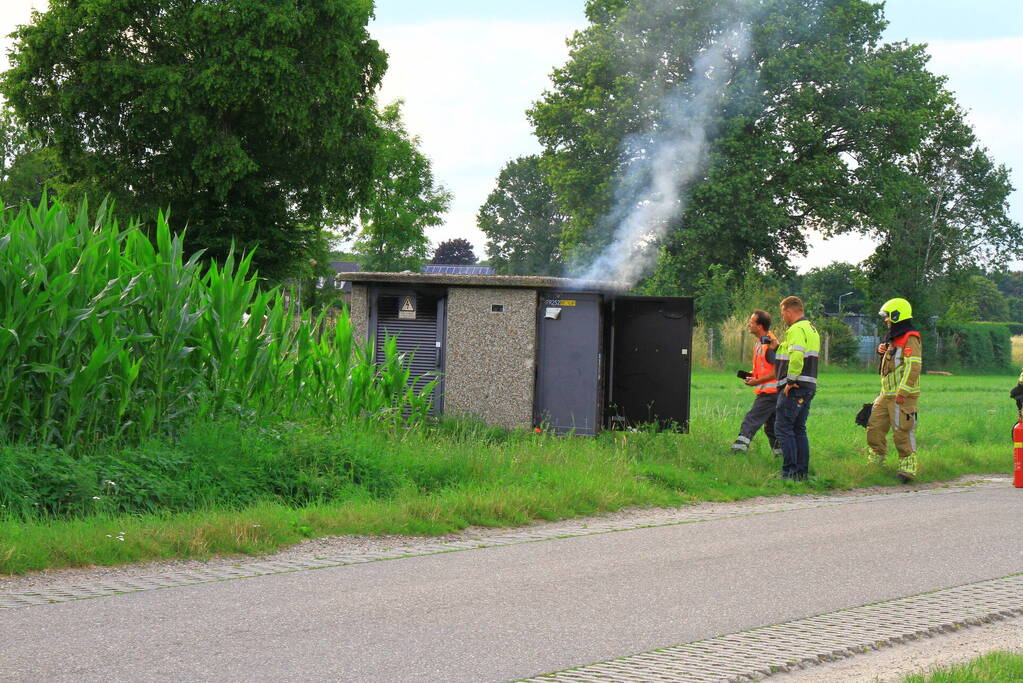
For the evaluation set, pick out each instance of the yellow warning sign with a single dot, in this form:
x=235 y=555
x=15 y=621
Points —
x=568 y=302
x=407 y=310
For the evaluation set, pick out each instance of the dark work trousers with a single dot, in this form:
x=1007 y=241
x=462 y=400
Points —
x=761 y=414
x=790 y=425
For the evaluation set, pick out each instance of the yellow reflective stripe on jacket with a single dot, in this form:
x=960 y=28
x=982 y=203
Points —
x=903 y=376
x=799 y=355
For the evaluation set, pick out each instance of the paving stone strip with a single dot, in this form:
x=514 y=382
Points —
x=175 y=579
x=758 y=653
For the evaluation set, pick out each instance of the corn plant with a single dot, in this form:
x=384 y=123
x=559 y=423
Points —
x=105 y=332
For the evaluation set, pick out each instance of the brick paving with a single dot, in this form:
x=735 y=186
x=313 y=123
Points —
x=758 y=653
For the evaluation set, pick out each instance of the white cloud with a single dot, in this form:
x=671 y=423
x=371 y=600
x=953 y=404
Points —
x=467 y=86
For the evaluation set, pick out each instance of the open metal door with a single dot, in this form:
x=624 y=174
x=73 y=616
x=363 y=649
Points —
x=649 y=361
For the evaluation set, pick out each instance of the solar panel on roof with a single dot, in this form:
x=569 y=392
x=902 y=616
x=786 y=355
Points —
x=446 y=269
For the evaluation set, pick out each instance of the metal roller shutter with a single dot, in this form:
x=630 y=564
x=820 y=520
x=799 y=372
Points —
x=417 y=339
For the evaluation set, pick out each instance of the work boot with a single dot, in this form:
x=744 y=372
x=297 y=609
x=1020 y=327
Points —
x=874 y=458
x=907 y=468
x=741 y=445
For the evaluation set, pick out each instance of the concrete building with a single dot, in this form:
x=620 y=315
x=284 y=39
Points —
x=524 y=351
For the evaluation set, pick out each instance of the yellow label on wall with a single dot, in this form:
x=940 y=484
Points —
x=568 y=302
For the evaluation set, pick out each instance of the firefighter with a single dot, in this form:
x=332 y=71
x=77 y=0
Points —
x=796 y=367
x=764 y=384
x=1017 y=393
x=895 y=407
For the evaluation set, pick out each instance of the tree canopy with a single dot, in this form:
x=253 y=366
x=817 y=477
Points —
x=455 y=252
x=253 y=122
x=403 y=201
x=522 y=221
x=817 y=126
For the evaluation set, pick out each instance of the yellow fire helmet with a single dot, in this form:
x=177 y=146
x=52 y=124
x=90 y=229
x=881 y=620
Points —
x=896 y=310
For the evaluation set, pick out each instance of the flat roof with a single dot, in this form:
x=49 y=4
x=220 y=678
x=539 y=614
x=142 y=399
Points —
x=520 y=281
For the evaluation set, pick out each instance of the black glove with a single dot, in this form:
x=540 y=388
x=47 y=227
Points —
x=863 y=417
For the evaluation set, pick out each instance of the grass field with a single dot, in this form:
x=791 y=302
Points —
x=996 y=667
x=248 y=487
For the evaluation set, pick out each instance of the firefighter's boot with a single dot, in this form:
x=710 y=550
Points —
x=874 y=458
x=907 y=467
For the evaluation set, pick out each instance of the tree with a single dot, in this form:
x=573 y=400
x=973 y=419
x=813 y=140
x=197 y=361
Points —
x=843 y=347
x=942 y=213
x=835 y=280
x=990 y=303
x=28 y=168
x=456 y=252
x=801 y=129
x=713 y=304
x=522 y=221
x=252 y=121
x=1010 y=283
x=404 y=200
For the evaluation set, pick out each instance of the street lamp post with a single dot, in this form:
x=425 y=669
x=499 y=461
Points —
x=840 y=301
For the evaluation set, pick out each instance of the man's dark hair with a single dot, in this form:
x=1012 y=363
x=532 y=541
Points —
x=763 y=319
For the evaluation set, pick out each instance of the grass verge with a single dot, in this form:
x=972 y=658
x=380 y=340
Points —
x=996 y=667
x=230 y=487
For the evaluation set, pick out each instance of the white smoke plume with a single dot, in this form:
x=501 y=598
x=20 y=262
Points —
x=652 y=191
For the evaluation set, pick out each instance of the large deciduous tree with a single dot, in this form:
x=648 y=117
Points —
x=812 y=122
x=252 y=121
x=454 y=252
x=941 y=213
x=404 y=200
x=522 y=221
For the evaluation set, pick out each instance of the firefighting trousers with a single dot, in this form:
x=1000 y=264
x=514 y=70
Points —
x=900 y=419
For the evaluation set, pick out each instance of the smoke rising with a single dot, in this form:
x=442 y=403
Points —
x=661 y=163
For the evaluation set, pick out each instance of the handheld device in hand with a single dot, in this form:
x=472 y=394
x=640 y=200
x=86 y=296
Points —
x=742 y=374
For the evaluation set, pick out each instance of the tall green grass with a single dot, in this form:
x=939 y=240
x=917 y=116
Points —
x=107 y=334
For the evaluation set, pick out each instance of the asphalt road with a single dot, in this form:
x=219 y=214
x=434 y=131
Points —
x=502 y=613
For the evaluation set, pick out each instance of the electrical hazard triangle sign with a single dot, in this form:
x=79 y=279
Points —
x=407 y=310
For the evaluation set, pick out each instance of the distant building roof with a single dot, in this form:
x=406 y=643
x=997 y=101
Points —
x=444 y=269
x=345 y=266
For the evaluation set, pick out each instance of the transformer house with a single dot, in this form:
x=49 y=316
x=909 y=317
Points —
x=526 y=351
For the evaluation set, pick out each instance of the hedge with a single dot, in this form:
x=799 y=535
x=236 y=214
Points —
x=972 y=346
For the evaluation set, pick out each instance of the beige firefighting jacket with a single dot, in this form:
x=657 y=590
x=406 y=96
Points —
x=901 y=366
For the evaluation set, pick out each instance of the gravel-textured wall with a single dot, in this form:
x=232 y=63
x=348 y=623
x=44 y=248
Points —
x=491 y=356
x=359 y=312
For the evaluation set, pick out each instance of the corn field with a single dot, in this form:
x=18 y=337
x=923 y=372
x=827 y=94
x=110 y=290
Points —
x=105 y=333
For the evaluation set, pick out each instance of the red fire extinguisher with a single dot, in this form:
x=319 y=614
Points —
x=1017 y=452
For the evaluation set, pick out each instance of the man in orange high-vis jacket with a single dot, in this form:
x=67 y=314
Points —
x=764 y=383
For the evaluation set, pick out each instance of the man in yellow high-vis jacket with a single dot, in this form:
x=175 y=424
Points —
x=895 y=408
x=795 y=366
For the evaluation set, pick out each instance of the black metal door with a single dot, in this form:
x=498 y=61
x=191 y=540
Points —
x=649 y=365
x=568 y=375
x=417 y=319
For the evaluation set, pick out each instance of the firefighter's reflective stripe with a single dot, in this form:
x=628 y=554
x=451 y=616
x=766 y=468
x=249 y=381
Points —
x=900 y=370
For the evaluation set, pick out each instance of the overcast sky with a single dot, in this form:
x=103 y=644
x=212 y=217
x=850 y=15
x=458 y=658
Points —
x=468 y=70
